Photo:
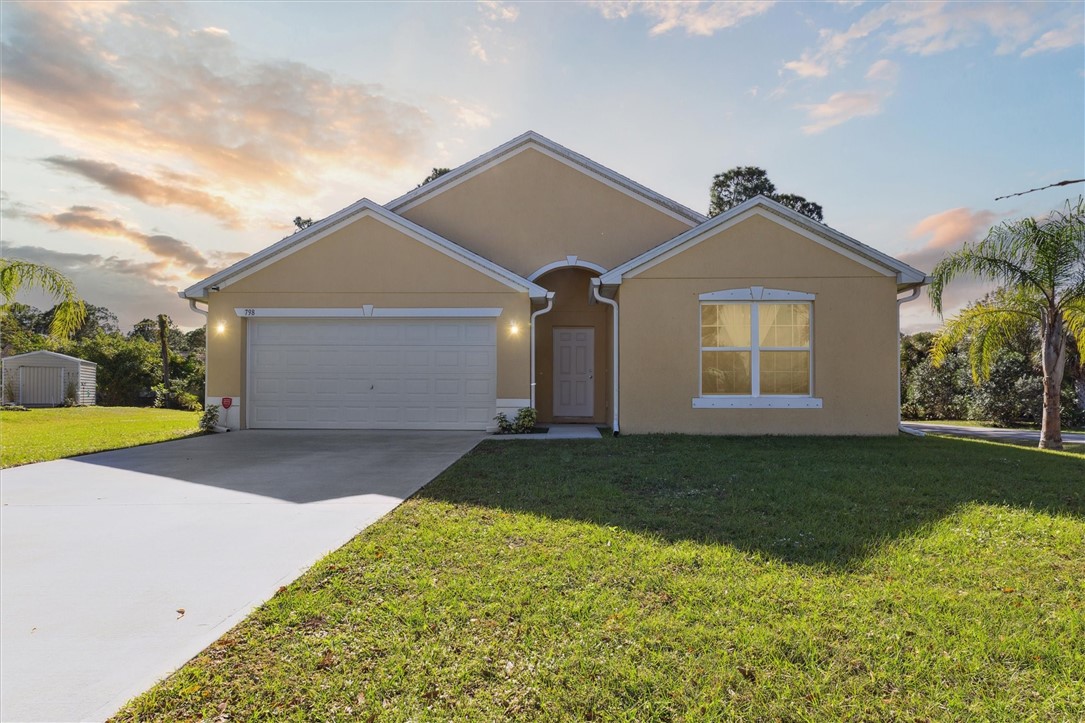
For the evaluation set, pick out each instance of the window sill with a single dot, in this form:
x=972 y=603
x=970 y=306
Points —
x=756 y=403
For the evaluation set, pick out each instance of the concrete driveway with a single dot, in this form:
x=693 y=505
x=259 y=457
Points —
x=100 y=552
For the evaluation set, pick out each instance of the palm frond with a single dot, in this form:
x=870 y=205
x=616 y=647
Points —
x=1045 y=257
x=990 y=326
x=16 y=276
x=1073 y=319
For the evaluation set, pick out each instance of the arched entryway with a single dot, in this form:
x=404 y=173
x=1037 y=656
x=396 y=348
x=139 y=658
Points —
x=573 y=351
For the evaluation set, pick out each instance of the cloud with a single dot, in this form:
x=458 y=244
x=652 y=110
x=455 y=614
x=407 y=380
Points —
x=476 y=50
x=468 y=115
x=693 y=16
x=1067 y=36
x=944 y=233
x=845 y=105
x=883 y=71
x=937 y=27
x=950 y=229
x=175 y=260
x=130 y=289
x=148 y=190
x=133 y=81
x=494 y=15
x=495 y=11
x=807 y=67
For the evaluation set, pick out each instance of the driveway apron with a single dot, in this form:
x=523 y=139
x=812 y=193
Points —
x=119 y=567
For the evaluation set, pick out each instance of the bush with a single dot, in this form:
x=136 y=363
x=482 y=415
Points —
x=71 y=394
x=210 y=418
x=937 y=392
x=1013 y=394
x=174 y=397
x=523 y=423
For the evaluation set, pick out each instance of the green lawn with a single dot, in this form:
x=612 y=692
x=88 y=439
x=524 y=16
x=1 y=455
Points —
x=40 y=435
x=683 y=578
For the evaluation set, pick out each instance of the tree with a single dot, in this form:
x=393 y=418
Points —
x=98 y=319
x=742 y=183
x=16 y=276
x=739 y=184
x=1040 y=268
x=801 y=205
x=437 y=173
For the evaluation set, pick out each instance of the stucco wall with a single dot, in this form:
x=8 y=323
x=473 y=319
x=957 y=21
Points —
x=854 y=336
x=531 y=210
x=367 y=262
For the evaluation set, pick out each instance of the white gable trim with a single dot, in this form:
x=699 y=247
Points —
x=777 y=213
x=567 y=262
x=362 y=209
x=534 y=141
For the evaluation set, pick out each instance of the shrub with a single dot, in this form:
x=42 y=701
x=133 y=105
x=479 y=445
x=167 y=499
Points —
x=174 y=397
x=71 y=394
x=10 y=392
x=523 y=423
x=210 y=418
x=1013 y=394
x=937 y=392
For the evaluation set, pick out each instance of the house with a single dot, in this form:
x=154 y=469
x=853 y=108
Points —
x=48 y=379
x=533 y=276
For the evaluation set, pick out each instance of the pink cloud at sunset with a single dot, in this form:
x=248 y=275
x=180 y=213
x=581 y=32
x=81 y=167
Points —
x=131 y=80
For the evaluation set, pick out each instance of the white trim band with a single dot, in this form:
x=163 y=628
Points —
x=368 y=311
x=773 y=402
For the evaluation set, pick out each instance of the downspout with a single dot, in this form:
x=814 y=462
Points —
x=904 y=300
x=531 y=323
x=596 y=286
x=206 y=353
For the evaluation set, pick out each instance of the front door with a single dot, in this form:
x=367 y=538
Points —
x=574 y=370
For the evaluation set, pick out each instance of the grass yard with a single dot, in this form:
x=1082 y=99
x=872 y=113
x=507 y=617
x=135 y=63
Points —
x=40 y=435
x=665 y=578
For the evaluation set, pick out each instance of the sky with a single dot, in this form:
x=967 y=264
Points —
x=144 y=146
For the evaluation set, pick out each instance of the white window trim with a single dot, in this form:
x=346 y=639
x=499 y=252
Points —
x=755 y=400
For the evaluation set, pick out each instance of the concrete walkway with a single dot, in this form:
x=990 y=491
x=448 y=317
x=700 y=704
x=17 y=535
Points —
x=100 y=553
x=557 y=431
x=997 y=435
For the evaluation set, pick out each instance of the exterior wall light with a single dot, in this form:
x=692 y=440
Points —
x=514 y=329
x=220 y=327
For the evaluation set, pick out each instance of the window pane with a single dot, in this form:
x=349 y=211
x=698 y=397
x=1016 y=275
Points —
x=725 y=325
x=725 y=372
x=785 y=372
x=784 y=325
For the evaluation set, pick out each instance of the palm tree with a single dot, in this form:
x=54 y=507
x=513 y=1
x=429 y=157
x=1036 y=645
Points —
x=16 y=276
x=1040 y=268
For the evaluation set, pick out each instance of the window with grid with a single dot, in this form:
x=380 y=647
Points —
x=755 y=349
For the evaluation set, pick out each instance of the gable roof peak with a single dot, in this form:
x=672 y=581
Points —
x=533 y=139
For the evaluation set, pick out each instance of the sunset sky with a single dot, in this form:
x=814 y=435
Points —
x=146 y=145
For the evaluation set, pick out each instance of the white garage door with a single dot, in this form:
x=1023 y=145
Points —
x=372 y=373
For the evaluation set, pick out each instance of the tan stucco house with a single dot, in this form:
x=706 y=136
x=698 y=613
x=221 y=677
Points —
x=533 y=276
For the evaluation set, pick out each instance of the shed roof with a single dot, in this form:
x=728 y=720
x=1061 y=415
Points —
x=50 y=354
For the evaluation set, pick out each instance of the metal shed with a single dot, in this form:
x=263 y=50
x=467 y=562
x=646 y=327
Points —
x=46 y=379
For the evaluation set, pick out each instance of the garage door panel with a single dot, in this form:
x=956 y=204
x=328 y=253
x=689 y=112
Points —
x=367 y=373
